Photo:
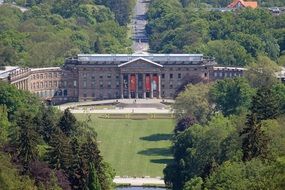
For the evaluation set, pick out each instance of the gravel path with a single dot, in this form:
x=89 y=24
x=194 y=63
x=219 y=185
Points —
x=140 y=181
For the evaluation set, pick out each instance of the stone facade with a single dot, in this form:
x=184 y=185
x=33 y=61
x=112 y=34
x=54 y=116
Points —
x=98 y=77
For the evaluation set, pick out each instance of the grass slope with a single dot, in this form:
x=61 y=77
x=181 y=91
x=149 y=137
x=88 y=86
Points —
x=134 y=147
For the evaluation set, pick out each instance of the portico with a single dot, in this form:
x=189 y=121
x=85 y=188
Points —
x=140 y=78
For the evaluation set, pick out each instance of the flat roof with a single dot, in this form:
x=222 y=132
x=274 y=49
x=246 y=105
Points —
x=45 y=68
x=129 y=57
x=8 y=69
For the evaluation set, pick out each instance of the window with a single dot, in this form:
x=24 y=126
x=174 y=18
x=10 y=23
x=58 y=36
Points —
x=65 y=92
x=170 y=84
x=65 y=83
x=205 y=74
x=55 y=83
x=109 y=84
x=162 y=86
x=101 y=84
x=163 y=75
x=50 y=83
x=85 y=95
x=50 y=75
x=74 y=83
x=171 y=75
x=109 y=76
x=117 y=76
x=179 y=75
x=93 y=77
x=101 y=76
x=46 y=84
x=93 y=84
x=93 y=95
x=42 y=76
x=215 y=74
x=117 y=84
x=84 y=84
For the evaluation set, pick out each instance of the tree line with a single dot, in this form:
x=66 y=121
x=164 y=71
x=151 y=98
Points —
x=50 y=31
x=233 y=38
x=230 y=133
x=43 y=148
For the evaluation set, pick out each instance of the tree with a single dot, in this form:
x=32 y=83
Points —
x=4 y=123
x=68 y=123
x=262 y=73
x=194 y=101
x=254 y=140
x=228 y=53
x=93 y=182
x=59 y=153
x=232 y=96
x=46 y=121
x=266 y=104
x=197 y=151
x=90 y=154
x=184 y=123
x=27 y=139
x=254 y=174
x=78 y=170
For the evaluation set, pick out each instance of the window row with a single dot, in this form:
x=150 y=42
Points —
x=100 y=76
x=52 y=93
x=46 y=75
x=226 y=74
x=48 y=84
x=100 y=84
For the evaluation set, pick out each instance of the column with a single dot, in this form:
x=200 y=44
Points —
x=159 y=85
x=151 y=89
x=122 y=85
x=144 y=91
x=137 y=85
x=129 y=86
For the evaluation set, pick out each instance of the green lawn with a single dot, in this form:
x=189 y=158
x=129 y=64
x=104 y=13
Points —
x=134 y=147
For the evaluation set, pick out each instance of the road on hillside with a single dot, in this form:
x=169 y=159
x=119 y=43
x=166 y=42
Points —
x=138 y=23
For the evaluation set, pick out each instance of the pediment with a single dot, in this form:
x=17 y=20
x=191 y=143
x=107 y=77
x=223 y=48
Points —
x=140 y=63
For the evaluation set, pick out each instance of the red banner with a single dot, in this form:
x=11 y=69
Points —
x=155 y=83
x=147 y=83
x=133 y=83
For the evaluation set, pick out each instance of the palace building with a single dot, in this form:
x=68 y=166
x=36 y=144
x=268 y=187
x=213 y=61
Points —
x=90 y=77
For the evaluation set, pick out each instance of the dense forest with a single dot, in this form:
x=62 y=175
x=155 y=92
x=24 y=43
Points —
x=53 y=30
x=43 y=148
x=233 y=38
x=230 y=134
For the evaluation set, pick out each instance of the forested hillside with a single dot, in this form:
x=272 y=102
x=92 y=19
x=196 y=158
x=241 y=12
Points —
x=53 y=30
x=230 y=134
x=43 y=148
x=233 y=38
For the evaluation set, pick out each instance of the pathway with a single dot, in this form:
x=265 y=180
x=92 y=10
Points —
x=138 y=23
x=147 y=181
x=123 y=106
